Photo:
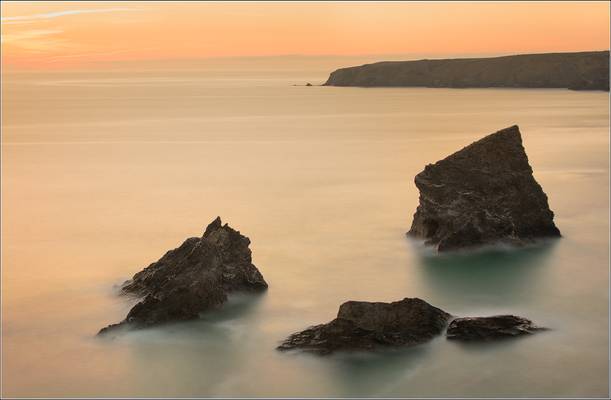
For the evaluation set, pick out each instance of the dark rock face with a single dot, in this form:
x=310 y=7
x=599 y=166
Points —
x=482 y=194
x=488 y=328
x=365 y=326
x=195 y=277
x=577 y=71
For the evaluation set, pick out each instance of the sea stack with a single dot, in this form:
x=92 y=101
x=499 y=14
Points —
x=482 y=194
x=362 y=325
x=193 y=278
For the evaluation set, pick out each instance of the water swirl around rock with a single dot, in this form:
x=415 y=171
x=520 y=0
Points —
x=193 y=278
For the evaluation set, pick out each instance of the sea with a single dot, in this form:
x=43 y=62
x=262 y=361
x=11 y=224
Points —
x=104 y=170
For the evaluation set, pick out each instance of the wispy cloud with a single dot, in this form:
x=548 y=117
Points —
x=34 y=17
x=36 y=33
x=37 y=41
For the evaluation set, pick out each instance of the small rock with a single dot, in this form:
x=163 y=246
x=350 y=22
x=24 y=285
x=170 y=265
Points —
x=488 y=328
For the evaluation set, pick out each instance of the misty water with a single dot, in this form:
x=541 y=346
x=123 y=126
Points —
x=103 y=173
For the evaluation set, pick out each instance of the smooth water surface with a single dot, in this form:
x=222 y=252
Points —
x=103 y=173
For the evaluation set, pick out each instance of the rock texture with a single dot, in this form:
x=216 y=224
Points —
x=578 y=71
x=362 y=325
x=488 y=328
x=482 y=194
x=195 y=277
x=365 y=326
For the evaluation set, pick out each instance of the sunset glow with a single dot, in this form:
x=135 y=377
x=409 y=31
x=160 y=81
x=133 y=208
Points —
x=49 y=35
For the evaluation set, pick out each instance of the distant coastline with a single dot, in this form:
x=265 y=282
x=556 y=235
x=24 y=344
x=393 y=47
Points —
x=576 y=71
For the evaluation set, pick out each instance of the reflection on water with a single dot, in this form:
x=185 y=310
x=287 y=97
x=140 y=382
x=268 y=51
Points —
x=497 y=345
x=357 y=372
x=493 y=273
x=321 y=180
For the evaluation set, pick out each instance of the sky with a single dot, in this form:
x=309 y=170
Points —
x=63 y=35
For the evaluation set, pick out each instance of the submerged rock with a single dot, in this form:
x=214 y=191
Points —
x=488 y=328
x=195 y=277
x=482 y=194
x=363 y=325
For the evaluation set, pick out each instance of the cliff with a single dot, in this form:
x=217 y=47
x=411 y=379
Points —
x=577 y=71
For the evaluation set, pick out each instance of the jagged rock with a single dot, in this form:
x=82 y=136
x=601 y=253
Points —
x=365 y=326
x=488 y=328
x=195 y=277
x=482 y=194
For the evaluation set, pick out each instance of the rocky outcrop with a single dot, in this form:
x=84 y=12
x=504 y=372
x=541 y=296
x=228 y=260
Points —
x=365 y=326
x=193 y=278
x=482 y=194
x=577 y=71
x=489 y=328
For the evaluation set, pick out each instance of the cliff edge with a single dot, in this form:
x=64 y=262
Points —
x=576 y=71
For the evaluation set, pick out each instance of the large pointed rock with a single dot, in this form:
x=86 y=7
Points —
x=482 y=194
x=362 y=325
x=193 y=278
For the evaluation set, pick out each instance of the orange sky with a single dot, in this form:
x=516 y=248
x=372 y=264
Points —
x=46 y=35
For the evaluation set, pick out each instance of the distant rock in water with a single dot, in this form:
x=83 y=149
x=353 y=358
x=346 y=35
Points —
x=193 y=278
x=482 y=194
x=363 y=325
x=488 y=328
x=578 y=71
